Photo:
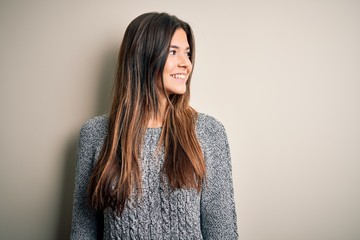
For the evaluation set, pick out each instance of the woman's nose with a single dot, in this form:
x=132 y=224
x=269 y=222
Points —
x=184 y=60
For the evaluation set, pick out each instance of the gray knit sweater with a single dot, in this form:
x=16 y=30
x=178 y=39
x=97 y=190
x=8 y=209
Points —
x=160 y=213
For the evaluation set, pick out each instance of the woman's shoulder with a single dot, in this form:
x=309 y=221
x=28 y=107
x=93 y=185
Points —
x=211 y=134
x=97 y=122
x=95 y=128
x=208 y=123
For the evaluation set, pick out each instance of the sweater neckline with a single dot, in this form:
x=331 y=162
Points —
x=153 y=130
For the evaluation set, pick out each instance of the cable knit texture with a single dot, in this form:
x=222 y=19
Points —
x=160 y=212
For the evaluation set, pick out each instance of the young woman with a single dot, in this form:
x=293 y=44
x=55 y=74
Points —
x=154 y=168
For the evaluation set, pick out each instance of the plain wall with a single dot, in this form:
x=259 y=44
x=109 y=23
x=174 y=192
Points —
x=282 y=76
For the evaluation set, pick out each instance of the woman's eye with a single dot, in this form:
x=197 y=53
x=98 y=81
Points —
x=188 y=54
x=172 y=52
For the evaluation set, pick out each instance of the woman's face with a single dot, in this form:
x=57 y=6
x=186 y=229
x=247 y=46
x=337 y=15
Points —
x=178 y=65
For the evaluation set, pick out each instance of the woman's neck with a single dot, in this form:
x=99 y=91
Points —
x=158 y=121
x=155 y=123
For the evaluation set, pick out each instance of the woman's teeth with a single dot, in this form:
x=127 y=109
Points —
x=178 y=76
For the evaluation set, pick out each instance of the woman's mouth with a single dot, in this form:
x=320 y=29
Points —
x=178 y=76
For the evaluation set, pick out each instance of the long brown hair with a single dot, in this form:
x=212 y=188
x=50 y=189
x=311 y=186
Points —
x=136 y=93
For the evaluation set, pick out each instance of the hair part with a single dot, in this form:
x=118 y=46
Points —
x=136 y=94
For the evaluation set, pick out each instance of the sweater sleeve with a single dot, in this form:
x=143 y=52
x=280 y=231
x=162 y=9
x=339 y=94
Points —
x=85 y=220
x=218 y=216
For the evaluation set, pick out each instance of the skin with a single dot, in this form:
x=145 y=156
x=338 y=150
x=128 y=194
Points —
x=176 y=71
x=178 y=65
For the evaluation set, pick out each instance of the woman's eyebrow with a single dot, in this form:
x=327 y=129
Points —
x=177 y=47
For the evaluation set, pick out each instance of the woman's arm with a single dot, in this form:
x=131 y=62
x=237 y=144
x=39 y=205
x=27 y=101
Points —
x=218 y=216
x=85 y=220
